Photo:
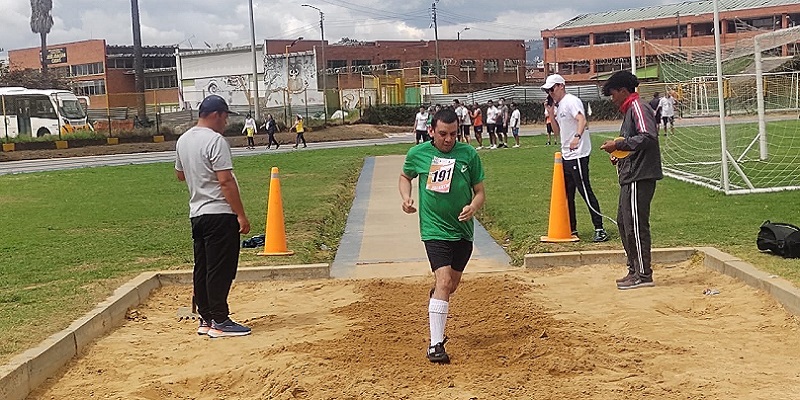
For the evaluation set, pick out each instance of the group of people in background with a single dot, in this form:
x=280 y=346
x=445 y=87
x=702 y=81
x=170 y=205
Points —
x=499 y=119
x=269 y=125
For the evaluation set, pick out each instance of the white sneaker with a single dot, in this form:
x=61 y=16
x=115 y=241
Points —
x=515 y=146
x=493 y=147
x=479 y=148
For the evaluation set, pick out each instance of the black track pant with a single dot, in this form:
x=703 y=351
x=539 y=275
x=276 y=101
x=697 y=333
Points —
x=633 y=218
x=576 y=176
x=216 y=256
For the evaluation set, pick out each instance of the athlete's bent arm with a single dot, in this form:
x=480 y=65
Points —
x=478 y=197
x=405 y=193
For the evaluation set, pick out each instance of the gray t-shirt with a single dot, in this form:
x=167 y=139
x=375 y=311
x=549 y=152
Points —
x=199 y=153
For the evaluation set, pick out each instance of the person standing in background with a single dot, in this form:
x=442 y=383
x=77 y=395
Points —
x=421 y=125
x=271 y=126
x=298 y=127
x=203 y=160
x=569 y=121
x=514 y=123
x=250 y=130
x=477 y=124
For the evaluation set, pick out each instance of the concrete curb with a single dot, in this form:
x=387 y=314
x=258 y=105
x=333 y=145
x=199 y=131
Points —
x=578 y=258
x=26 y=371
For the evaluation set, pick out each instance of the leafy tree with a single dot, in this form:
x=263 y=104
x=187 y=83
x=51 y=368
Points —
x=41 y=23
x=32 y=79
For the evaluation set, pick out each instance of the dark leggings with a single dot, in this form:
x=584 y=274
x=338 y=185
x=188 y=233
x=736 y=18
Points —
x=272 y=140
x=299 y=138
x=251 y=142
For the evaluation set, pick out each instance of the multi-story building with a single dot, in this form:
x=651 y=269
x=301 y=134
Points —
x=589 y=45
x=105 y=72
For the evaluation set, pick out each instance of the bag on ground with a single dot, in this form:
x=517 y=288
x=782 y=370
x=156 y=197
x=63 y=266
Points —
x=779 y=238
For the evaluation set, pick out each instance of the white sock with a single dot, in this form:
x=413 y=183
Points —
x=437 y=315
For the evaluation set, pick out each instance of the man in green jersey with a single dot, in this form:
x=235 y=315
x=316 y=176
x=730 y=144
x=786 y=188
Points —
x=450 y=193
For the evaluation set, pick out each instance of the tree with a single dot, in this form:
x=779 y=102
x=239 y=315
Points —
x=41 y=23
x=138 y=62
x=32 y=79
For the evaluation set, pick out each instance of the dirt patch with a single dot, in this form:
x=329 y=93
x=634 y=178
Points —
x=553 y=334
x=333 y=133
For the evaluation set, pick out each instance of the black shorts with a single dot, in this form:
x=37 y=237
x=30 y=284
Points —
x=502 y=128
x=478 y=129
x=442 y=253
x=490 y=128
x=423 y=136
x=668 y=120
x=549 y=128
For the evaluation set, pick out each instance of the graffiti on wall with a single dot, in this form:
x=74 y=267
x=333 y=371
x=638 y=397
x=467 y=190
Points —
x=294 y=77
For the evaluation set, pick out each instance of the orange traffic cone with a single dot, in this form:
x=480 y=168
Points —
x=558 y=230
x=275 y=236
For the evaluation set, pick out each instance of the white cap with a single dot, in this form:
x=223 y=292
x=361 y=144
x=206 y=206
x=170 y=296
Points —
x=552 y=80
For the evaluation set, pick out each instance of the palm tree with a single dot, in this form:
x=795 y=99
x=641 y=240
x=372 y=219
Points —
x=41 y=22
x=138 y=62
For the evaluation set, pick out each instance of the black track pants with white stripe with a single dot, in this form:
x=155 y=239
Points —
x=633 y=219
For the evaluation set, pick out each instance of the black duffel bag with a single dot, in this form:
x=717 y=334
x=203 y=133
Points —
x=780 y=238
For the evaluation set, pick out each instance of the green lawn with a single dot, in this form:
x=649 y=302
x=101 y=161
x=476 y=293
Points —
x=70 y=237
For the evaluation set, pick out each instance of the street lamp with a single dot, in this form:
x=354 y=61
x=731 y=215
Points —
x=288 y=96
x=324 y=73
x=458 y=35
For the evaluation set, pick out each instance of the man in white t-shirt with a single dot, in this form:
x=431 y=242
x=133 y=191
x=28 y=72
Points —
x=203 y=160
x=464 y=122
x=421 y=125
x=491 y=123
x=514 y=123
x=667 y=107
x=570 y=123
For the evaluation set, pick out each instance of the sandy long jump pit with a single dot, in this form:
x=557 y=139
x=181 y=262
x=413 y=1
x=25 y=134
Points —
x=562 y=333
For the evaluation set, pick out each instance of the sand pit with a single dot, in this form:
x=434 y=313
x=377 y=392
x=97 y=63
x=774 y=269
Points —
x=549 y=334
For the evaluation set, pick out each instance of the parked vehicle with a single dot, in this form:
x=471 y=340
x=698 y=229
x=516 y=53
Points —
x=40 y=112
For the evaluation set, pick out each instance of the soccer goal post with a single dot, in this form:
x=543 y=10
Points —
x=737 y=127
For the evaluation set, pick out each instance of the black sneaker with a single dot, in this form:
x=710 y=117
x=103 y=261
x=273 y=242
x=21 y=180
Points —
x=575 y=233
x=635 y=282
x=437 y=354
x=626 y=277
x=600 y=235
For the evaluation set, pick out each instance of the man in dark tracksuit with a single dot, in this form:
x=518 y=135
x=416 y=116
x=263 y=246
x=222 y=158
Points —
x=638 y=173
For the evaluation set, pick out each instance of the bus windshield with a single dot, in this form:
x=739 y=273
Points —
x=72 y=109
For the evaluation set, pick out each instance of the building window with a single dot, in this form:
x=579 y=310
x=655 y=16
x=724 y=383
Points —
x=510 y=65
x=392 y=64
x=86 y=69
x=491 y=66
x=90 y=88
x=467 y=66
x=160 y=82
x=575 y=41
x=612 y=37
x=337 y=66
x=120 y=63
x=361 y=65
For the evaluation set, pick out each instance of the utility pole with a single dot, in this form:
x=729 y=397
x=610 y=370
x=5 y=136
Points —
x=678 y=18
x=324 y=66
x=255 y=62
x=435 y=35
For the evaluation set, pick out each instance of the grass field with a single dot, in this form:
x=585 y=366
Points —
x=697 y=150
x=70 y=237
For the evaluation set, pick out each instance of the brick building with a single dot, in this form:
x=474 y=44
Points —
x=467 y=64
x=105 y=72
x=589 y=45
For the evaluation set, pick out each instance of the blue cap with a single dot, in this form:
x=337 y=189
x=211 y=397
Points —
x=214 y=103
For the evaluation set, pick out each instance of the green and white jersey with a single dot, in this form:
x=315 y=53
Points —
x=445 y=187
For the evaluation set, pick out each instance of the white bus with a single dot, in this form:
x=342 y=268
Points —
x=40 y=112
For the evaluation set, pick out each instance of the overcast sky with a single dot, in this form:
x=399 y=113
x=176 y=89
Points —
x=218 y=22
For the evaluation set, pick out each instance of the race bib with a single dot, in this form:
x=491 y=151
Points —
x=441 y=174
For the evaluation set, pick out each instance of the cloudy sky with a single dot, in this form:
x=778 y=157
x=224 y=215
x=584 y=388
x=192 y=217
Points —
x=218 y=22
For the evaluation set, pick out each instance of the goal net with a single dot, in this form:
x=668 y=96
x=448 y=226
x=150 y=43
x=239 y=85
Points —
x=761 y=103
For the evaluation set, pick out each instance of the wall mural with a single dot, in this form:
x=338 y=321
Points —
x=295 y=76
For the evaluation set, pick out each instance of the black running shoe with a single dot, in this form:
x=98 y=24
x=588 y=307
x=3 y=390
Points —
x=635 y=282
x=600 y=235
x=437 y=354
